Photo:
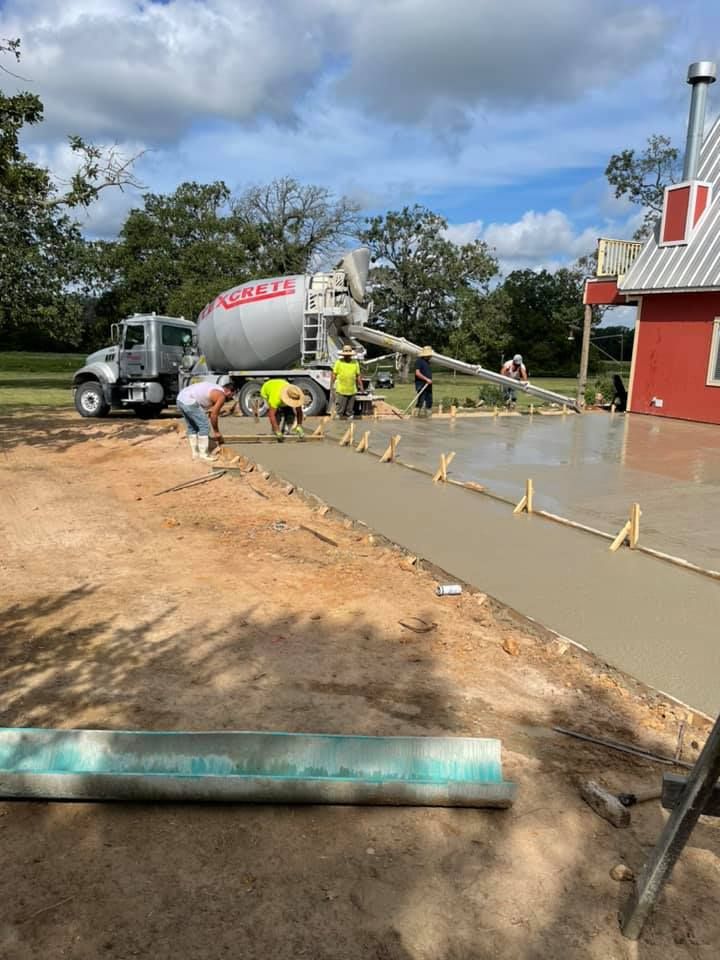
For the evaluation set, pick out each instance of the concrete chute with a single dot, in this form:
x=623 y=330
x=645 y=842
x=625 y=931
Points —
x=401 y=345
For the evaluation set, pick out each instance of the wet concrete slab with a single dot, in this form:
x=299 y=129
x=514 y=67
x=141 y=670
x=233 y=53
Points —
x=589 y=469
x=653 y=620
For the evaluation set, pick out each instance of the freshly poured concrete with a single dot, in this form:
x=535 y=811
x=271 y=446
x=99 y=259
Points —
x=651 y=619
x=589 y=469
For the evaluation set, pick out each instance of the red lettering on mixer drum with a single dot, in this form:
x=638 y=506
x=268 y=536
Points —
x=252 y=293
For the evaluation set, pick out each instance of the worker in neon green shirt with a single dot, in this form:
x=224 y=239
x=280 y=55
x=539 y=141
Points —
x=346 y=382
x=285 y=402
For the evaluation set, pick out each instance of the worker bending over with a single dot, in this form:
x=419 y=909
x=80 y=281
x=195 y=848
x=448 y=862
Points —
x=285 y=402
x=515 y=369
x=200 y=405
x=346 y=382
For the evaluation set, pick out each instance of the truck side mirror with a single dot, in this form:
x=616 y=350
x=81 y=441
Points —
x=114 y=333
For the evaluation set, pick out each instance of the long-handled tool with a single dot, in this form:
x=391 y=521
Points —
x=414 y=400
x=615 y=807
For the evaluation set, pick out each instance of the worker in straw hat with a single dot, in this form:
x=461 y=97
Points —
x=346 y=382
x=285 y=402
x=423 y=382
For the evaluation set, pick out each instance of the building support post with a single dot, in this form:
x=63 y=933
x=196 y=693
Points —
x=584 y=354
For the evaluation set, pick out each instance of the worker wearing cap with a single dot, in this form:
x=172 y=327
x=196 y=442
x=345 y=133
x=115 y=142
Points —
x=515 y=369
x=200 y=405
x=285 y=402
x=346 y=382
x=423 y=382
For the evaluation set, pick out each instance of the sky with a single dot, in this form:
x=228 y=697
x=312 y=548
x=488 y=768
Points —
x=498 y=114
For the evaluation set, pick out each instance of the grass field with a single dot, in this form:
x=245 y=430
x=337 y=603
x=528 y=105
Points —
x=447 y=388
x=44 y=379
x=37 y=379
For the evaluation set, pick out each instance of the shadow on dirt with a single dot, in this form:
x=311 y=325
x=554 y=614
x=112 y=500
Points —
x=325 y=883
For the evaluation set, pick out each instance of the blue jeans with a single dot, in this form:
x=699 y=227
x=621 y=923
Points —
x=196 y=420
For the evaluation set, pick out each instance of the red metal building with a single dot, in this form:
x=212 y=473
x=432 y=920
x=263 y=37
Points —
x=675 y=281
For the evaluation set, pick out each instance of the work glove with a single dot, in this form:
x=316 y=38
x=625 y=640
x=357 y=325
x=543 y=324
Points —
x=279 y=435
x=298 y=431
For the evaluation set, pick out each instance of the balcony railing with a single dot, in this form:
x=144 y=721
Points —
x=615 y=257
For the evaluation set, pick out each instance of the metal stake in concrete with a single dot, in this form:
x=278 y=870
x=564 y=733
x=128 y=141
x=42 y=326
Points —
x=526 y=504
x=389 y=455
x=364 y=442
x=691 y=804
x=441 y=472
x=630 y=532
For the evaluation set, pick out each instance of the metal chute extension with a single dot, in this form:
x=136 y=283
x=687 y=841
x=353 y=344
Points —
x=401 y=345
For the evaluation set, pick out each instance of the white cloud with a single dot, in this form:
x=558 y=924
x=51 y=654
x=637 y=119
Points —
x=416 y=60
x=152 y=70
x=539 y=235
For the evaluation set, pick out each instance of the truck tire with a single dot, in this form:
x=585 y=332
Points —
x=90 y=400
x=248 y=396
x=316 y=400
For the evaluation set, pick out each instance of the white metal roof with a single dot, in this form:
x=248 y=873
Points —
x=692 y=266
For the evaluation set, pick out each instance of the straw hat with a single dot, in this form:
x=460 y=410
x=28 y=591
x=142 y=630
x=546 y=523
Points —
x=292 y=396
x=426 y=352
x=347 y=351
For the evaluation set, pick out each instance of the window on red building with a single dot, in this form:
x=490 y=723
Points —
x=713 y=377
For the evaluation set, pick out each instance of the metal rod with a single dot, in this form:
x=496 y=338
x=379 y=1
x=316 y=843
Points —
x=623 y=748
x=675 y=834
x=401 y=345
x=192 y=483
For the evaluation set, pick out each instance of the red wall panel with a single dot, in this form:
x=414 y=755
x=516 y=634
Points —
x=672 y=354
x=677 y=200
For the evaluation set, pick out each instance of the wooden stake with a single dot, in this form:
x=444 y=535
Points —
x=532 y=409
x=631 y=530
x=635 y=513
x=364 y=442
x=564 y=410
x=453 y=410
x=319 y=430
x=526 y=503
x=495 y=412
x=389 y=455
x=348 y=437
x=441 y=472
x=440 y=408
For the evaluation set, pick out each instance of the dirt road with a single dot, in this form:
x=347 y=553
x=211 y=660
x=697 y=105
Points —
x=212 y=608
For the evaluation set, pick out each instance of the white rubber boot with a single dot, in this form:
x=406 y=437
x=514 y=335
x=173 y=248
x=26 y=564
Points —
x=204 y=450
x=193 y=441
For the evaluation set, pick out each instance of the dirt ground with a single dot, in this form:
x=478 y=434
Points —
x=211 y=608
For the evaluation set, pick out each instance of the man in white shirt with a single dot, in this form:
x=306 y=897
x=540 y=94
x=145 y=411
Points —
x=515 y=369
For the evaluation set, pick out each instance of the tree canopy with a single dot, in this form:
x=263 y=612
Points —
x=420 y=280
x=642 y=177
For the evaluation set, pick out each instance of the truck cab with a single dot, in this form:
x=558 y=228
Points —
x=138 y=371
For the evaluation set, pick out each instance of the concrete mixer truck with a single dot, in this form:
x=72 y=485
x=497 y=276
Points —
x=291 y=327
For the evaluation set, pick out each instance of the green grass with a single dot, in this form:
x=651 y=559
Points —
x=37 y=379
x=447 y=386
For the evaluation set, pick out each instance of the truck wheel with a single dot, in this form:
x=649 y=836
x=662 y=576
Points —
x=249 y=398
x=90 y=400
x=316 y=399
x=148 y=411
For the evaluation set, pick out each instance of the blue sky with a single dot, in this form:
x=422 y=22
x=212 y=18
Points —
x=498 y=114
